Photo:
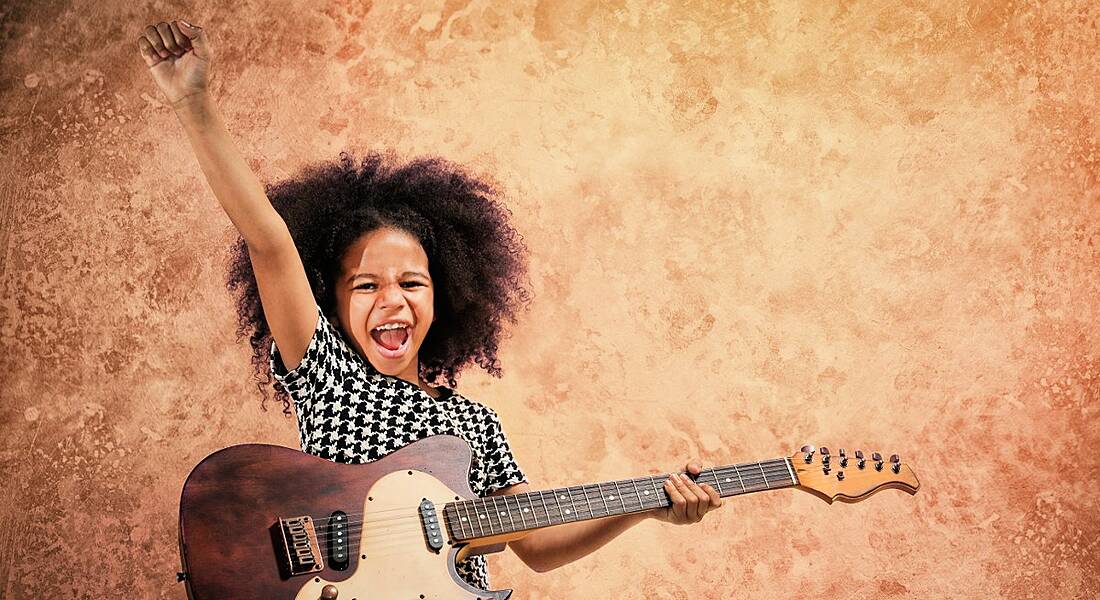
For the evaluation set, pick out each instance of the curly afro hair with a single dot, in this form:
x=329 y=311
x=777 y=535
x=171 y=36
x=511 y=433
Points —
x=477 y=261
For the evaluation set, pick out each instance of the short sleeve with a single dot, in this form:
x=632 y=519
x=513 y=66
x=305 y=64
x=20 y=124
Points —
x=306 y=380
x=498 y=464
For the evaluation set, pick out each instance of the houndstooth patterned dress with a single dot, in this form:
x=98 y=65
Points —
x=349 y=412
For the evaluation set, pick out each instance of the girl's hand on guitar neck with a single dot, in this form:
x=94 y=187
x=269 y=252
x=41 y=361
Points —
x=690 y=501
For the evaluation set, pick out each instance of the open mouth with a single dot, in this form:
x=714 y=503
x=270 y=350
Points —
x=391 y=339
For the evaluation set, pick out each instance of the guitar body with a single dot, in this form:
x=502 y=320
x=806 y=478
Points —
x=256 y=521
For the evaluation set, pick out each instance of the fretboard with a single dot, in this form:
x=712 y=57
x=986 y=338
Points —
x=496 y=515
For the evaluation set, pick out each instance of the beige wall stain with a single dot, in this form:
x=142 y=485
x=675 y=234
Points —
x=752 y=225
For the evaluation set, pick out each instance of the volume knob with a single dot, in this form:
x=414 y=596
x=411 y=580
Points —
x=329 y=592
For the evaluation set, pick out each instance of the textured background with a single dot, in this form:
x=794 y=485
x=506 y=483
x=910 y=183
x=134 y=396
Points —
x=752 y=226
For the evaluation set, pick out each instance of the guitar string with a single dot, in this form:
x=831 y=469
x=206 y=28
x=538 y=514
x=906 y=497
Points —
x=457 y=530
x=559 y=512
x=757 y=483
x=372 y=538
x=575 y=494
x=777 y=465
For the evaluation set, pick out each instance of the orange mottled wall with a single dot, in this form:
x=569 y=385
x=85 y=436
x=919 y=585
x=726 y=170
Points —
x=752 y=225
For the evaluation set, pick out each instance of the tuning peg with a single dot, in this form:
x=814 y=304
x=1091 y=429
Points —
x=896 y=460
x=843 y=458
x=824 y=451
x=809 y=450
x=824 y=458
x=859 y=456
x=875 y=456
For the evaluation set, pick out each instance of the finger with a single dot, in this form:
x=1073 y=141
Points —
x=148 y=52
x=702 y=501
x=715 y=497
x=691 y=508
x=679 y=502
x=169 y=41
x=181 y=40
x=153 y=36
x=694 y=468
x=197 y=37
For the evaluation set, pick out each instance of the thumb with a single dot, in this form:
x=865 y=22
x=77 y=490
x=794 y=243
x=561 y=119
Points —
x=198 y=39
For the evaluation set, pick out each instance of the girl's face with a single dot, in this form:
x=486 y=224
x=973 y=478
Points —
x=385 y=300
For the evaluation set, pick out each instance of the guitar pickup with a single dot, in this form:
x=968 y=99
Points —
x=338 y=540
x=428 y=519
x=301 y=554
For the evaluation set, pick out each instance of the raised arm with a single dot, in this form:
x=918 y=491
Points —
x=179 y=59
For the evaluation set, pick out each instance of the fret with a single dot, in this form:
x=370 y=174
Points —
x=557 y=506
x=656 y=494
x=464 y=523
x=766 y=484
x=449 y=525
x=718 y=481
x=587 y=502
x=556 y=498
x=621 y=499
x=482 y=516
x=787 y=463
x=637 y=493
x=523 y=519
x=466 y=505
x=529 y=497
x=494 y=513
x=450 y=522
x=457 y=520
x=738 y=472
x=606 y=508
x=549 y=520
x=488 y=514
x=569 y=491
x=507 y=511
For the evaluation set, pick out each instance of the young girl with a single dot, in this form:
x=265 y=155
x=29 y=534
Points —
x=366 y=289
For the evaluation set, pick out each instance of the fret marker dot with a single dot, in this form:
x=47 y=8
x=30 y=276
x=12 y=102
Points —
x=646 y=492
x=567 y=511
x=611 y=497
x=463 y=518
x=527 y=510
x=728 y=479
x=563 y=497
x=482 y=516
x=502 y=513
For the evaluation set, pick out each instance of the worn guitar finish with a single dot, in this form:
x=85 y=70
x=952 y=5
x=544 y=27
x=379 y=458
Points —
x=234 y=497
x=261 y=521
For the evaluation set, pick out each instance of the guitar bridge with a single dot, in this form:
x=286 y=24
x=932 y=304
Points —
x=300 y=552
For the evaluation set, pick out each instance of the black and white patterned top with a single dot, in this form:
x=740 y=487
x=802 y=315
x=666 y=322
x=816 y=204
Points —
x=349 y=412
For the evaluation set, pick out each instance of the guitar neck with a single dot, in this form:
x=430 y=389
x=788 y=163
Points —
x=497 y=515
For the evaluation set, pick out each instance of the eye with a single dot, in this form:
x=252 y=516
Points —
x=363 y=285
x=411 y=283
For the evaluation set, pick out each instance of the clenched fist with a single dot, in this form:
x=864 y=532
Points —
x=178 y=57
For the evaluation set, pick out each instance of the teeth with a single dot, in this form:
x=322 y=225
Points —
x=390 y=326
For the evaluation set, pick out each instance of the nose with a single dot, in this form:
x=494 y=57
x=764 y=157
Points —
x=392 y=295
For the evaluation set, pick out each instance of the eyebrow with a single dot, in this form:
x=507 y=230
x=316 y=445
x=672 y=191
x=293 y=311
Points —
x=373 y=276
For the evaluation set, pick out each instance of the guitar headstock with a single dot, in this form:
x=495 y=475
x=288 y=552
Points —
x=850 y=477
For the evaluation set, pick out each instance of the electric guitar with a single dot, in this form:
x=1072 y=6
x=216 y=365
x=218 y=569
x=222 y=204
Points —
x=262 y=521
